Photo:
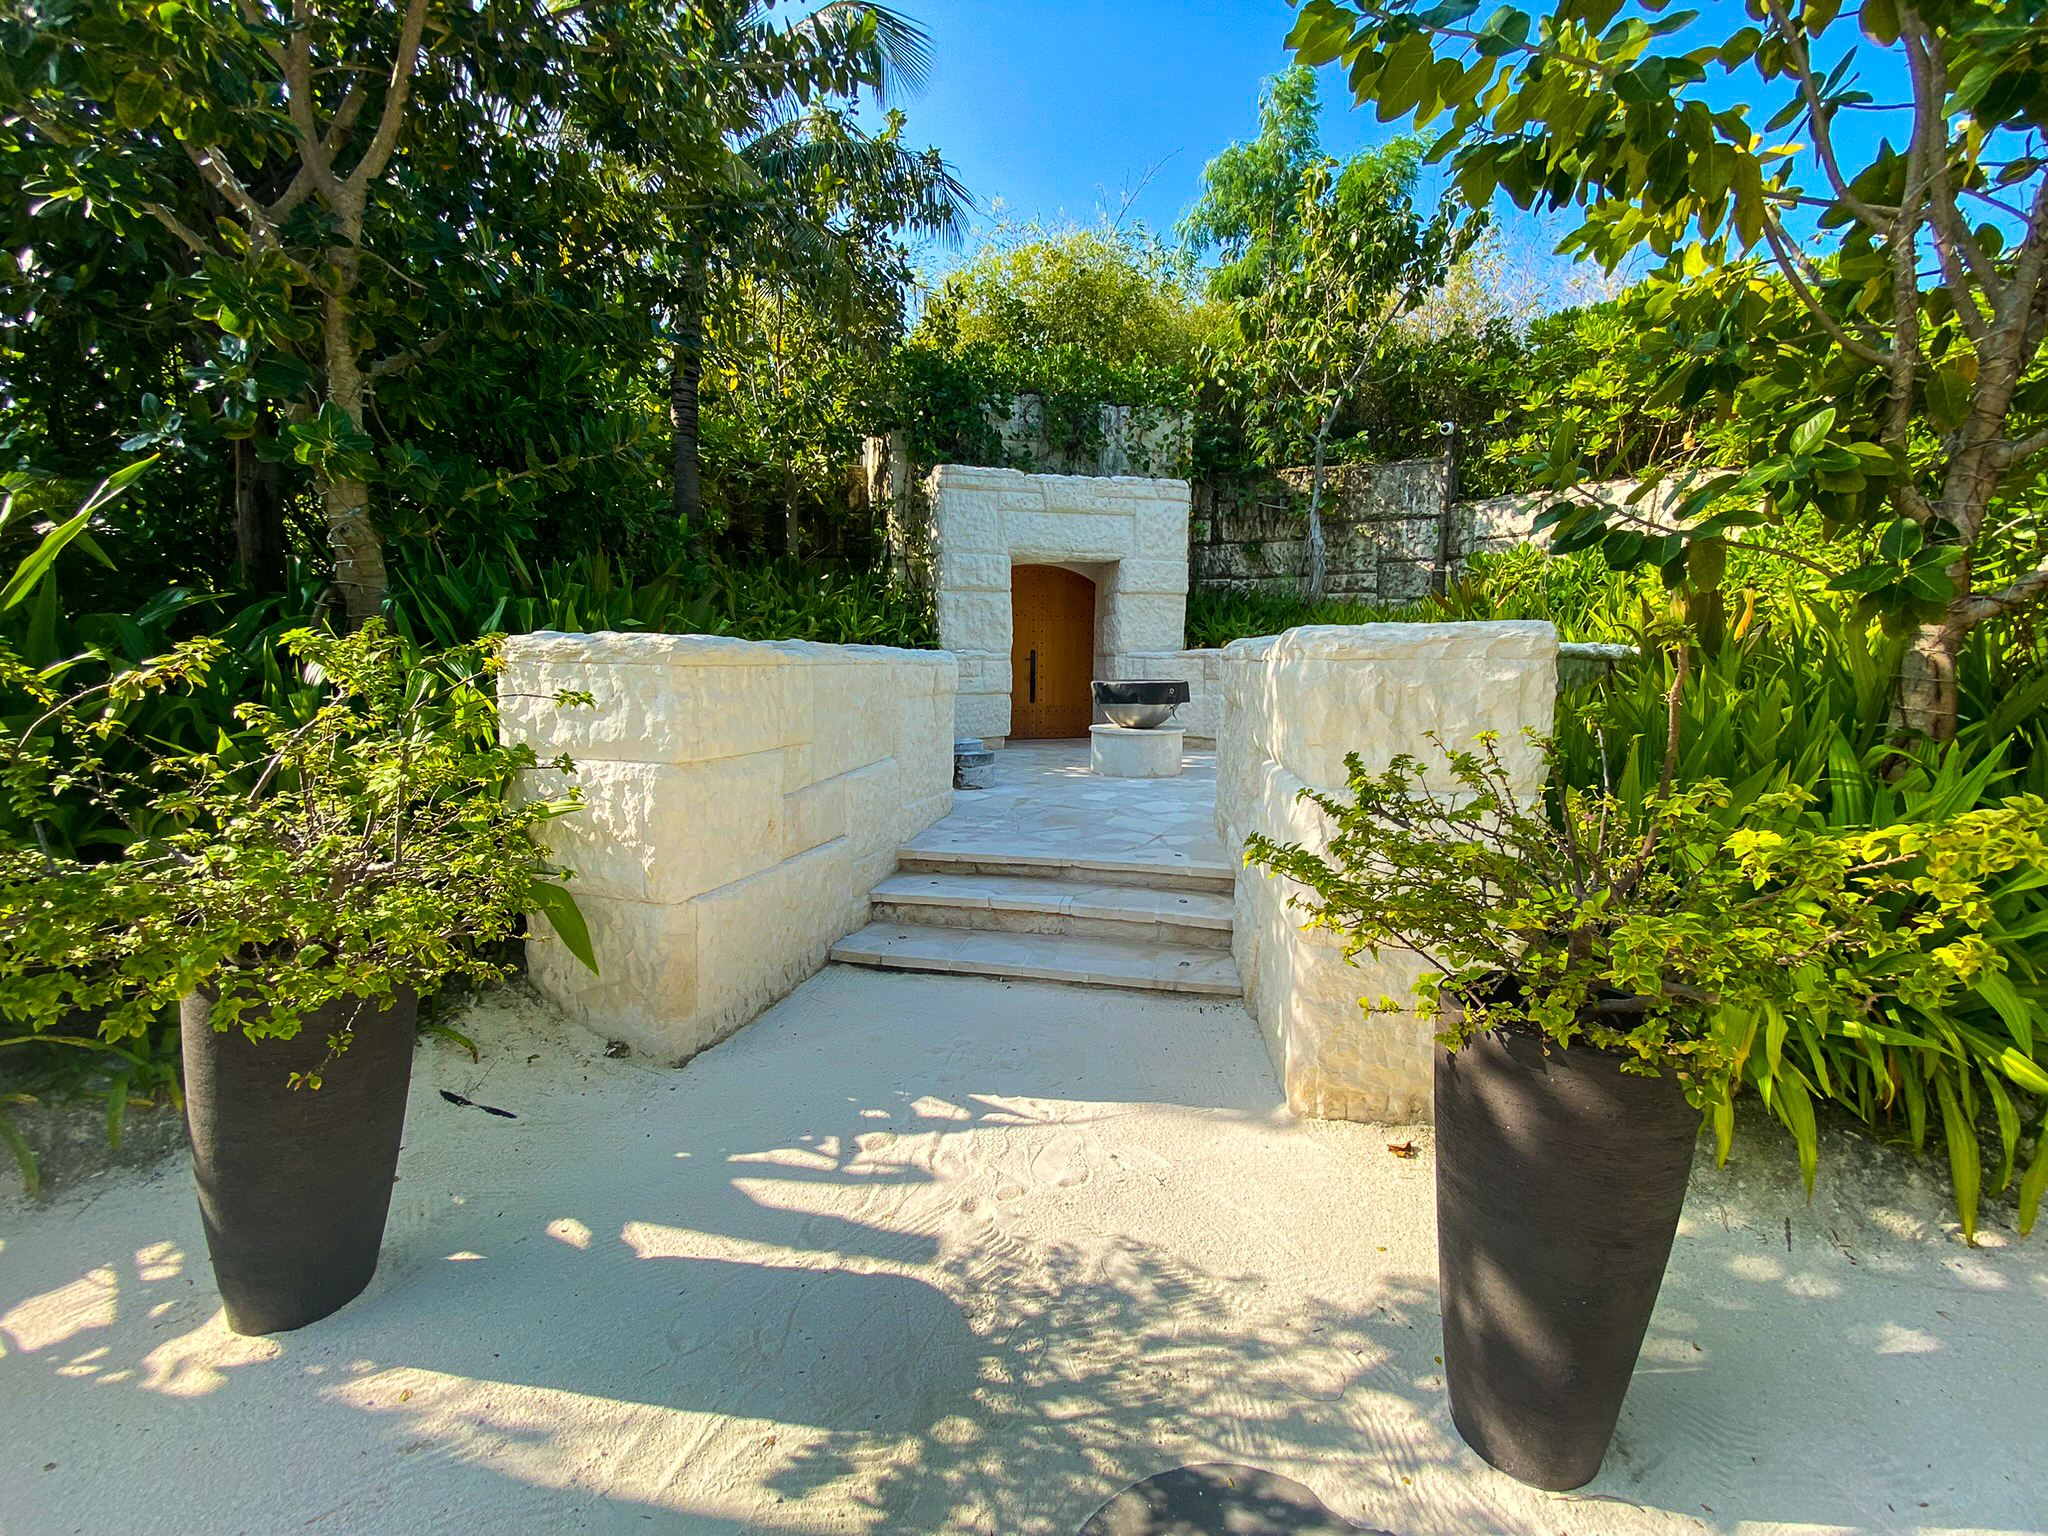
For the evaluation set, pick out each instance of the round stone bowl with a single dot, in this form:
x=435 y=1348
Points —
x=1141 y=705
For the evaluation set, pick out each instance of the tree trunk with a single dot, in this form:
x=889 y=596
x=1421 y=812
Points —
x=684 y=373
x=259 y=517
x=359 y=570
x=1927 y=683
x=790 y=532
x=1318 y=552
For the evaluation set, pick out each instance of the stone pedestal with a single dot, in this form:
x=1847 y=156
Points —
x=1118 y=752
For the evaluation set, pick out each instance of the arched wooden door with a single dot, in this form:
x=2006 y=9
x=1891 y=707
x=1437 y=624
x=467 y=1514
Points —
x=1052 y=652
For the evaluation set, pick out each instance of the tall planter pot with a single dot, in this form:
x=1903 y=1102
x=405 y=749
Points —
x=1559 y=1183
x=294 y=1184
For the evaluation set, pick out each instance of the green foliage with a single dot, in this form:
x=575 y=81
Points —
x=1885 y=370
x=1343 y=259
x=451 y=603
x=508 y=226
x=1215 y=618
x=1075 y=318
x=369 y=840
x=1115 y=296
x=950 y=401
x=1250 y=190
x=1725 y=935
x=1800 y=704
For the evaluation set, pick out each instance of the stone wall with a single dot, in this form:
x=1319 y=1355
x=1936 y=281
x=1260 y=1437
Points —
x=1127 y=534
x=1388 y=528
x=1293 y=705
x=1383 y=526
x=740 y=801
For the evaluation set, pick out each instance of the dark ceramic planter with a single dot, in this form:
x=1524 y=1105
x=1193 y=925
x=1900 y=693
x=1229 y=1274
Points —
x=1559 y=1182
x=294 y=1184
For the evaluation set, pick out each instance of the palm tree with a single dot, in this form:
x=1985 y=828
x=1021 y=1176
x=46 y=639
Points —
x=793 y=188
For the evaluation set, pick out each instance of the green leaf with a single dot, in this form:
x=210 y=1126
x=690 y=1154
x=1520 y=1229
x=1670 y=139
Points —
x=1949 y=390
x=44 y=555
x=1900 y=542
x=137 y=100
x=554 y=903
x=2035 y=1181
x=1506 y=30
x=1964 y=1167
x=1810 y=433
x=455 y=1035
x=1405 y=78
x=1795 y=1107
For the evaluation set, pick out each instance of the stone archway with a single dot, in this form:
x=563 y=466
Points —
x=1129 y=534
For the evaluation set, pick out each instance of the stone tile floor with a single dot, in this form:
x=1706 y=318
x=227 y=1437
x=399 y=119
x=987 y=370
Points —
x=1047 y=804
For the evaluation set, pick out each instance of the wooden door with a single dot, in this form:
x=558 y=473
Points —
x=1052 y=652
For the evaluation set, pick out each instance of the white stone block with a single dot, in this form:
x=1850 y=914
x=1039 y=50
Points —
x=1146 y=621
x=975 y=621
x=1291 y=706
x=645 y=989
x=1034 y=537
x=986 y=715
x=813 y=816
x=662 y=832
x=1146 y=575
x=653 y=711
x=967 y=523
x=1118 y=752
x=1160 y=531
x=974 y=572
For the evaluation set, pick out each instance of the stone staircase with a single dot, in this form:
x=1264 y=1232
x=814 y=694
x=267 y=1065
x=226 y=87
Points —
x=1105 y=923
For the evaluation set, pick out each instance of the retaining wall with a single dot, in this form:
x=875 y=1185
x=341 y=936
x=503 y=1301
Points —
x=1293 y=705
x=740 y=801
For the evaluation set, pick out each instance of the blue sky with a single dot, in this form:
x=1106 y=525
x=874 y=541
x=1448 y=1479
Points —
x=1056 y=109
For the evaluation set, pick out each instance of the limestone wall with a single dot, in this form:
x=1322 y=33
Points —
x=1293 y=705
x=740 y=800
x=1127 y=534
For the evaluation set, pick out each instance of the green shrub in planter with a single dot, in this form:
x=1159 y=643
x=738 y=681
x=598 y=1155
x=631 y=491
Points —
x=293 y=895
x=1603 y=976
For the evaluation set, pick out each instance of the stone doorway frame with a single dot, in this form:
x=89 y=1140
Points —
x=1126 y=533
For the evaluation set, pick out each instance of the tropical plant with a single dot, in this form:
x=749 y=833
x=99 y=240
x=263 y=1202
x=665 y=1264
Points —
x=348 y=199
x=1876 y=322
x=802 y=198
x=1114 y=295
x=1694 y=932
x=376 y=843
x=1798 y=704
x=1317 y=270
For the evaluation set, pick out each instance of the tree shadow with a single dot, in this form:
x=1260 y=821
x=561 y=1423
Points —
x=742 y=1298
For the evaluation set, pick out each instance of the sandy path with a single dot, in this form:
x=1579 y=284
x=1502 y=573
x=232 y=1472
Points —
x=920 y=1254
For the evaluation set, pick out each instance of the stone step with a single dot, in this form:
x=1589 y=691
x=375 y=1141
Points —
x=1081 y=959
x=1034 y=904
x=1176 y=875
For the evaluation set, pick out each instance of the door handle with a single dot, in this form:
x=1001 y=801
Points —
x=1034 y=677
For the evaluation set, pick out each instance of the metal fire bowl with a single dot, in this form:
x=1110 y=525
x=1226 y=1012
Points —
x=1141 y=704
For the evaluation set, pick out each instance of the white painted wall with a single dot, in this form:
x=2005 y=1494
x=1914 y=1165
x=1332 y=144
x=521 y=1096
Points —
x=1293 y=706
x=1128 y=533
x=740 y=801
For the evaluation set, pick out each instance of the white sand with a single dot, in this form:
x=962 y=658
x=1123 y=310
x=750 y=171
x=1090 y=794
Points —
x=919 y=1254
